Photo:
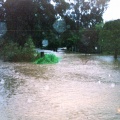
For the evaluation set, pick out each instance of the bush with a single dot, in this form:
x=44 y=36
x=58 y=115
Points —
x=9 y=51
x=28 y=51
x=15 y=53
x=47 y=59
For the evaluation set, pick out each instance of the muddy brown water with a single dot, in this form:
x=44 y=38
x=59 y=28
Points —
x=79 y=87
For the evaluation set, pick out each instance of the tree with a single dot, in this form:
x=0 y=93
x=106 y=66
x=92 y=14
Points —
x=46 y=14
x=36 y=18
x=20 y=19
x=88 y=13
x=85 y=16
x=71 y=39
x=29 y=17
x=2 y=11
x=90 y=40
x=110 y=37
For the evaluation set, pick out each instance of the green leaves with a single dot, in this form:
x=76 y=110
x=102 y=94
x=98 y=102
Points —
x=36 y=18
x=110 y=36
x=15 y=53
x=47 y=59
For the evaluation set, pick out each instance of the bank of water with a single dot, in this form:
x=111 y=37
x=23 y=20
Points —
x=80 y=87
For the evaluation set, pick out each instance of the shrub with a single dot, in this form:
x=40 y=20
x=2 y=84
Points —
x=15 y=53
x=47 y=59
x=9 y=51
x=28 y=51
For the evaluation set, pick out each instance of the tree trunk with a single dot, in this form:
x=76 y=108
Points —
x=116 y=53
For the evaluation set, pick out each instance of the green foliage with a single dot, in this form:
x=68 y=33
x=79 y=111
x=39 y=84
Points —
x=15 y=53
x=9 y=51
x=99 y=26
x=90 y=39
x=20 y=17
x=52 y=40
x=71 y=38
x=28 y=50
x=47 y=59
x=110 y=37
x=36 y=18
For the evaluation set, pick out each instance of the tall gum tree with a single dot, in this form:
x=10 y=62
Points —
x=88 y=13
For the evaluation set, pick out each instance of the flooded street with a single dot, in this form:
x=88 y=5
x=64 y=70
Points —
x=79 y=87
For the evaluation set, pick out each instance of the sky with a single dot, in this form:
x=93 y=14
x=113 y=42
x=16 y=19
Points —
x=113 y=11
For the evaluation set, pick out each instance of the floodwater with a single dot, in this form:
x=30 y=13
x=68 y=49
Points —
x=80 y=87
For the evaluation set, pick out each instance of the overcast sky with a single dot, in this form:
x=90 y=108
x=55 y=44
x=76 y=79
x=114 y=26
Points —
x=113 y=11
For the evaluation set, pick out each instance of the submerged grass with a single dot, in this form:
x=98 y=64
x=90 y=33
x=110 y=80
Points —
x=47 y=59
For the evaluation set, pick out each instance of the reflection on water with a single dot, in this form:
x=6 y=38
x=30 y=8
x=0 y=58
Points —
x=80 y=87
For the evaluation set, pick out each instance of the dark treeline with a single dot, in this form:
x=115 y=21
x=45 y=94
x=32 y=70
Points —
x=39 y=19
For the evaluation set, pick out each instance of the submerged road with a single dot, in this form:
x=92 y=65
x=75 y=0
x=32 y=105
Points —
x=79 y=87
